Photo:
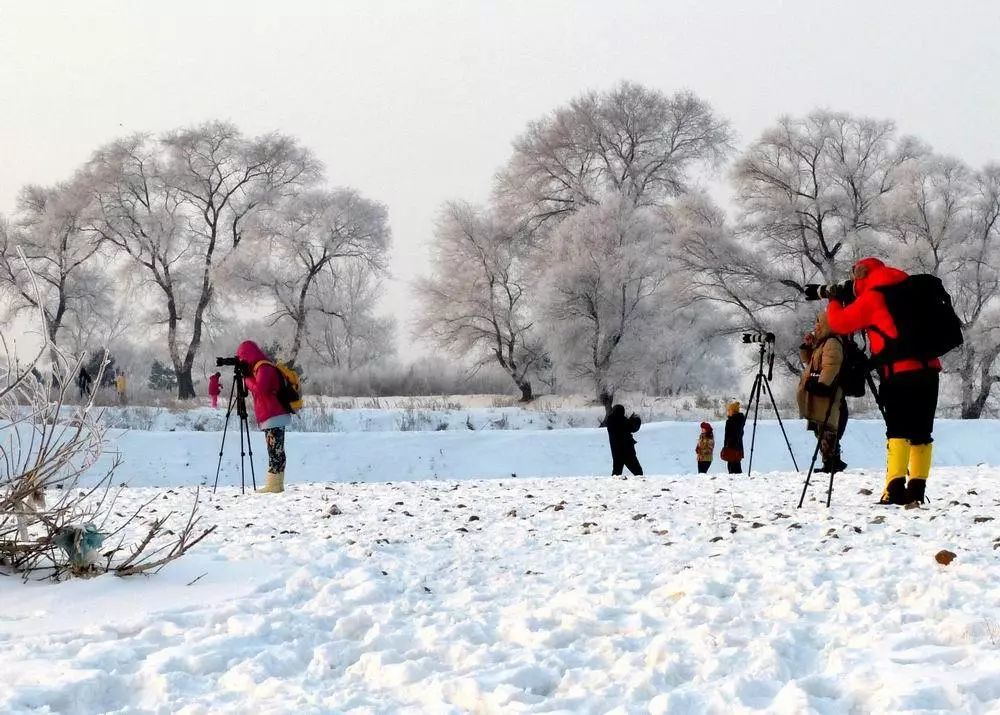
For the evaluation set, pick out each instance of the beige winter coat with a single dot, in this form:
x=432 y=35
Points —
x=823 y=360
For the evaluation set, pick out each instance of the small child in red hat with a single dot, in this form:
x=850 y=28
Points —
x=705 y=448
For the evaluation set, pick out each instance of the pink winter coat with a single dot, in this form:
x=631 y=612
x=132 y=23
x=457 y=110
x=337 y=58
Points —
x=263 y=383
x=214 y=386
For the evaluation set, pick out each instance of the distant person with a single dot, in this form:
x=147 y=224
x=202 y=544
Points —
x=620 y=430
x=825 y=410
x=264 y=382
x=84 y=381
x=215 y=388
x=705 y=448
x=121 y=385
x=732 y=444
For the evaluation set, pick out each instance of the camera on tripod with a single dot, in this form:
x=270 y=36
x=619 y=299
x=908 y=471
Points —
x=758 y=337
x=239 y=367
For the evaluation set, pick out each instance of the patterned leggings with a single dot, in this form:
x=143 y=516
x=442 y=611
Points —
x=275 y=449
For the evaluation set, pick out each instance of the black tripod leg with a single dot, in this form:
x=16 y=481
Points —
x=253 y=475
x=874 y=389
x=225 y=427
x=781 y=424
x=755 y=404
x=243 y=463
x=812 y=465
x=819 y=440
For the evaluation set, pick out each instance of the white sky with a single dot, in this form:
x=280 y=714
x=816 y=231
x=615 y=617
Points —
x=417 y=102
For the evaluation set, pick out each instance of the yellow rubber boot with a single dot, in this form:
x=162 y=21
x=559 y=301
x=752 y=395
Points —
x=920 y=469
x=896 y=462
x=275 y=483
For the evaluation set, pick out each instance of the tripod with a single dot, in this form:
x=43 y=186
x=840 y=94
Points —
x=762 y=383
x=238 y=398
x=819 y=437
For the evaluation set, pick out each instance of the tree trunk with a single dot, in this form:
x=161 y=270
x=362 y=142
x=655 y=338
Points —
x=606 y=398
x=525 y=387
x=185 y=384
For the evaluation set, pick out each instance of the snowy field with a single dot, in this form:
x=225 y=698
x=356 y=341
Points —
x=671 y=594
x=427 y=414
x=177 y=458
x=389 y=579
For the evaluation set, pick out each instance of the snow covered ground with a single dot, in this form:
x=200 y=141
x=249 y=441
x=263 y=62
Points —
x=173 y=458
x=665 y=594
x=524 y=594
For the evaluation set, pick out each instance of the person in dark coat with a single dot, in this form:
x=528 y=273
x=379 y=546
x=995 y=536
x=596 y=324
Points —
x=732 y=445
x=84 y=381
x=620 y=430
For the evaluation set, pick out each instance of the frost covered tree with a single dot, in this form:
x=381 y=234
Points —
x=945 y=220
x=631 y=141
x=811 y=193
x=604 y=293
x=315 y=244
x=352 y=334
x=179 y=206
x=476 y=298
x=61 y=274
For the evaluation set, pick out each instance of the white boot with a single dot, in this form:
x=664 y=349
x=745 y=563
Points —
x=275 y=483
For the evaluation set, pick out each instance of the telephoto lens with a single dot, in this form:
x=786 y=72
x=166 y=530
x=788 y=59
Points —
x=758 y=337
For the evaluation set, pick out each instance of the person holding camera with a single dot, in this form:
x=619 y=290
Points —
x=620 y=430
x=901 y=322
x=264 y=382
x=822 y=406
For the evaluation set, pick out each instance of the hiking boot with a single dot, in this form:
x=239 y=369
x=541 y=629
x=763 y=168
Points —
x=895 y=492
x=834 y=465
x=915 y=491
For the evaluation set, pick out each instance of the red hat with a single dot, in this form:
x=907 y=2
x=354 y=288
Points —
x=706 y=426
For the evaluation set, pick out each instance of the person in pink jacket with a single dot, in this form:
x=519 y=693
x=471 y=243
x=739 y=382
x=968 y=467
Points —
x=263 y=381
x=215 y=388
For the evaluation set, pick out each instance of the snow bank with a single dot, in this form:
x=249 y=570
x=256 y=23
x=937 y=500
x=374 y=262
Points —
x=176 y=458
x=662 y=595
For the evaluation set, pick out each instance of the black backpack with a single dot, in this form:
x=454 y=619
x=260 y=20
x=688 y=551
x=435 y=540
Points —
x=926 y=322
x=854 y=369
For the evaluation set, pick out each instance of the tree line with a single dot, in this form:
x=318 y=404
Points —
x=599 y=255
x=599 y=259
x=192 y=231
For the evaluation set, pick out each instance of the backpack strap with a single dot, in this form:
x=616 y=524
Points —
x=264 y=362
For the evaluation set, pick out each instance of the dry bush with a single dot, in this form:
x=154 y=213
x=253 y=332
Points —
x=53 y=521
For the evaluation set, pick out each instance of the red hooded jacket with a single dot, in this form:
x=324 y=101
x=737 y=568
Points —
x=263 y=382
x=214 y=386
x=869 y=311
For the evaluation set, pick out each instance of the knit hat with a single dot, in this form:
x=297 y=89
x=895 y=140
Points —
x=706 y=427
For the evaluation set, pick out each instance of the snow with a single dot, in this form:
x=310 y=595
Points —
x=167 y=459
x=676 y=593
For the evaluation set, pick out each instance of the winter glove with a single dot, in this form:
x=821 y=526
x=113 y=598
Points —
x=820 y=389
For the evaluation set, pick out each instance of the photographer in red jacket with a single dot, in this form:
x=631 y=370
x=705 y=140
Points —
x=909 y=385
x=263 y=382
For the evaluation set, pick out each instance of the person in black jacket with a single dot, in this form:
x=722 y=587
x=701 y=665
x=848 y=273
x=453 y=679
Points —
x=84 y=381
x=732 y=446
x=620 y=430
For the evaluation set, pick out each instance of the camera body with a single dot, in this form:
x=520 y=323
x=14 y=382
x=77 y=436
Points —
x=239 y=367
x=758 y=337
